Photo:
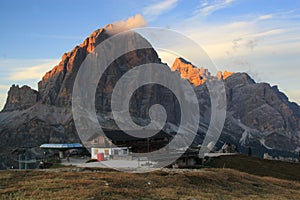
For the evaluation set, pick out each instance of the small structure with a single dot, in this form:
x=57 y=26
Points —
x=228 y=148
x=120 y=139
x=26 y=158
x=110 y=153
x=267 y=156
x=62 y=148
x=189 y=159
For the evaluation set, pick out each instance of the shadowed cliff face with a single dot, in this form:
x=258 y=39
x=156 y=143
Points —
x=20 y=98
x=258 y=115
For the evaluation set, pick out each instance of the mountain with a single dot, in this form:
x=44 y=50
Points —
x=196 y=76
x=258 y=115
x=31 y=118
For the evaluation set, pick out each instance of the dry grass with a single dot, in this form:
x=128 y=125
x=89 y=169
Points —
x=200 y=184
x=258 y=166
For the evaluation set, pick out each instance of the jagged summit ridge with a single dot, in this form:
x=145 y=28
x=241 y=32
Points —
x=196 y=76
x=20 y=98
x=56 y=85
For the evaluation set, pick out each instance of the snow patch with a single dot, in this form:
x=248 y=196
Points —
x=262 y=141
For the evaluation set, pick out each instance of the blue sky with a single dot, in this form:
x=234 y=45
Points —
x=261 y=37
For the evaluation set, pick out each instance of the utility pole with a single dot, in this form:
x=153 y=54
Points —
x=20 y=160
x=26 y=159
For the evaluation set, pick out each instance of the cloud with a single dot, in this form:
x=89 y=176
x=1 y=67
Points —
x=154 y=10
x=265 y=17
x=267 y=46
x=32 y=73
x=167 y=57
x=3 y=94
x=209 y=7
x=4 y=87
x=22 y=72
x=3 y=97
x=294 y=95
x=136 y=21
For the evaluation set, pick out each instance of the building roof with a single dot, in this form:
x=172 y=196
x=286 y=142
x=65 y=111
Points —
x=62 y=146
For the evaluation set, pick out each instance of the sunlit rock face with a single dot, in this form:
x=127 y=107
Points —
x=196 y=76
x=56 y=86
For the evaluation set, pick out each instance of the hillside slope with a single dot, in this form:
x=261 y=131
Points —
x=167 y=184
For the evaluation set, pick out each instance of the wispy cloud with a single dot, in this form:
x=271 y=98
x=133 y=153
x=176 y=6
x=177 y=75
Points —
x=22 y=71
x=3 y=94
x=3 y=97
x=4 y=87
x=258 y=43
x=158 y=8
x=209 y=7
x=294 y=95
x=265 y=17
x=32 y=73
x=136 y=21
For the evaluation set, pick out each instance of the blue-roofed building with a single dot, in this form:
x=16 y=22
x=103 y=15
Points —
x=62 y=147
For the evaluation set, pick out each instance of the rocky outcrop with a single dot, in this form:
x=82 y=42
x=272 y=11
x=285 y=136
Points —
x=56 y=86
x=220 y=75
x=20 y=98
x=190 y=72
x=261 y=106
x=196 y=76
x=263 y=113
x=258 y=114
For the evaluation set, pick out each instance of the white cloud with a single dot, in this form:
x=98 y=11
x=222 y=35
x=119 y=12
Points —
x=22 y=72
x=265 y=17
x=4 y=87
x=294 y=95
x=159 y=7
x=136 y=21
x=167 y=57
x=3 y=97
x=32 y=73
x=265 y=45
x=209 y=7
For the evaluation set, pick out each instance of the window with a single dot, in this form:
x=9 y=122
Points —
x=116 y=152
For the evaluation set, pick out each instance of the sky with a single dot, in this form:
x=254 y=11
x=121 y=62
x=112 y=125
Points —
x=260 y=37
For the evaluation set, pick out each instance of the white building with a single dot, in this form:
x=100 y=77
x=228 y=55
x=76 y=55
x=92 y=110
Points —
x=110 y=153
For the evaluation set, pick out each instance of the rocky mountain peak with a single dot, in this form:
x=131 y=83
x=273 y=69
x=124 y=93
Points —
x=196 y=76
x=190 y=72
x=56 y=85
x=220 y=75
x=20 y=98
